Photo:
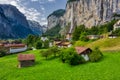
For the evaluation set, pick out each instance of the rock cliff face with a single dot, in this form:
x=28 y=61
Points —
x=55 y=18
x=91 y=12
x=87 y=12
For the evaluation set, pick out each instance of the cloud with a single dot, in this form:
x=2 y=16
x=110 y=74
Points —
x=34 y=0
x=30 y=13
x=51 y=0
x=43 y=1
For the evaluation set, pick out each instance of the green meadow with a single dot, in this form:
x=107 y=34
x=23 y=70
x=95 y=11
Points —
x=105 y=44
x=53 y=69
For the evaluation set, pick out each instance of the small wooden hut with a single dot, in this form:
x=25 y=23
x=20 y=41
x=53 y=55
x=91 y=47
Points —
x=26 y=60
x=83 y=51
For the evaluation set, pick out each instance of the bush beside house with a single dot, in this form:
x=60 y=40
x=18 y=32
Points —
x=73 y=56
x=96 y=55
x=70 y=56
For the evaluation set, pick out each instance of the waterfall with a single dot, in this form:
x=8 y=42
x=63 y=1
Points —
x=71 y=19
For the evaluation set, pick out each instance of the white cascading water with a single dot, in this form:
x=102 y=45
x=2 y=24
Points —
x=71 y=19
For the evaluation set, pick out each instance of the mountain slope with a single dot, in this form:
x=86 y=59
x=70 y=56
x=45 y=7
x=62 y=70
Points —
x=13 y=23
x=54 y=18
x=106 y=44
x=35 y=27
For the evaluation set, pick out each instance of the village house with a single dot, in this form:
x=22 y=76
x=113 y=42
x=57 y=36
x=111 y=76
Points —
x=84 y=52
x=62 y=43
x=26 y=60
x=44 y=38
x=94 y=37
x=56 y=42
x=50 y=44
x=14 y=48
x=69 y=36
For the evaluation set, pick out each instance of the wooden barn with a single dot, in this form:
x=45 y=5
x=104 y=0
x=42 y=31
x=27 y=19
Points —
x=26 y=60
x=84 y=52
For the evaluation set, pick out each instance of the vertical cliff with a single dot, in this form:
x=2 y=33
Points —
x=55 y=18
x=91 y=12
x=86 y=12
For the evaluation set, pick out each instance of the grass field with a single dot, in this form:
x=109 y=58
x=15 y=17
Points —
x=104 y=44
x=107 y=69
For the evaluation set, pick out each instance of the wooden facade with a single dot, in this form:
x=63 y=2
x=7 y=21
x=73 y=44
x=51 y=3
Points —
x=26 y=60
x=84 y=52
x=13 y=48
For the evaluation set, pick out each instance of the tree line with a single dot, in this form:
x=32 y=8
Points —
x=80 y=32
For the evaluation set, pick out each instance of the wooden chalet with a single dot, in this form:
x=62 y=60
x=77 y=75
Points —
x=84 y=52
x=26 y=60
x=62 y=43
x=13 y=48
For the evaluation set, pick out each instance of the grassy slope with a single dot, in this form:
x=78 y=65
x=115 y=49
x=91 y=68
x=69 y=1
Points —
x=107 y=69
x=106 y=44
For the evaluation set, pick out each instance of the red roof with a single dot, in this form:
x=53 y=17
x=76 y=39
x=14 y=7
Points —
x=80 y=50
x=1 y=44
x=14 y=45
x=26 y=57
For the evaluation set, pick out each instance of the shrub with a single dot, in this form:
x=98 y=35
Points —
x=45 y=53
x=54 y=50
x=38 y=45
x=96 y=55
x=46 y=44
x=2 y=52
x=70 y=56
x=76 y=59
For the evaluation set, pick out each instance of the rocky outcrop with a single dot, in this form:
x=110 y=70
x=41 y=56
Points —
x=13 y=23
x=91 y=12
x=55 y=18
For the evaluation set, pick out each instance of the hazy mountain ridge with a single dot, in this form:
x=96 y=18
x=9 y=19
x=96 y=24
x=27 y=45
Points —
x=35 y=27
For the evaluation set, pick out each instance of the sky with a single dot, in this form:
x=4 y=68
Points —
x=37 y=10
